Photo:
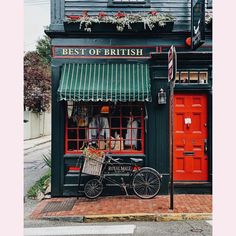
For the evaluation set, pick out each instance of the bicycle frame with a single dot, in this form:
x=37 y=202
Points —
x=113 y=166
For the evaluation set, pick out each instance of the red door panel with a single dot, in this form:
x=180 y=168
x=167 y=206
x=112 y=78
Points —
x=190 y=136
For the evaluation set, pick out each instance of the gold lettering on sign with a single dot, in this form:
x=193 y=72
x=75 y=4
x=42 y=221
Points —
x=82 y=51
x=106 y=52
x=139 y=52
x=133 y=52
x=128 y=52
x=98 y=51
x=70 y=51
x=113 y=53
x=122 y=52
x=64 y=51
x=77 y=51
x=92 y=52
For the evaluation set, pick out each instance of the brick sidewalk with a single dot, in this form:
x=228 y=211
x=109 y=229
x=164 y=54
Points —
x=183 y=203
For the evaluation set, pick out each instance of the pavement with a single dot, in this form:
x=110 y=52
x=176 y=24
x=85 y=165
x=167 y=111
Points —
x=120 y=208
x=125 y=208
x=31 y=143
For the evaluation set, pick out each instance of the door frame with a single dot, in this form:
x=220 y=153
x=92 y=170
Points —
x=179 y=89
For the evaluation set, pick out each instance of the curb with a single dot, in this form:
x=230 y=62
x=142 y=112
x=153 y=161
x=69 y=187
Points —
x=164 y=217
x=35 y=145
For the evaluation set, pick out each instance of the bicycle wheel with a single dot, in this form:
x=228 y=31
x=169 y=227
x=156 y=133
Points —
x=93 y=188
x=146 y=183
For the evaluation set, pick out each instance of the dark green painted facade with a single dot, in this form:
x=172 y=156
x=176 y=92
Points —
x=157 y=126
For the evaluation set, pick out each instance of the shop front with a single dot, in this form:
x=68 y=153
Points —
x=105 y=94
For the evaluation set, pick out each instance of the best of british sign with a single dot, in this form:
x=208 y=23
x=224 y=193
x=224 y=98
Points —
x=103 y=51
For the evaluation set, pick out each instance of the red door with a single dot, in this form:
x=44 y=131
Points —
x=190 y=137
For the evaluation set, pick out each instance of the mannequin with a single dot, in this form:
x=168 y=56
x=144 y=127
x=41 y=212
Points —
x=132 y=133
x=99 y=130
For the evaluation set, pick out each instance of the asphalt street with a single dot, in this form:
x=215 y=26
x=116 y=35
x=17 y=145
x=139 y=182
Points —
x=174 y=228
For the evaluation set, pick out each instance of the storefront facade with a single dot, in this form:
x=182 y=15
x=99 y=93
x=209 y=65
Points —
x=105 y=87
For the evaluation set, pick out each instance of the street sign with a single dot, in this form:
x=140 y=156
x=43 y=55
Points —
x=197 y=23
x=172 y=63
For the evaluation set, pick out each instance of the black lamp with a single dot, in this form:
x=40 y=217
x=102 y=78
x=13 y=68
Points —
x=161 y=97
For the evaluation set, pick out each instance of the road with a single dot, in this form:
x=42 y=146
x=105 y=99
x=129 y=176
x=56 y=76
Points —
x=34 y=168
x=174 y=228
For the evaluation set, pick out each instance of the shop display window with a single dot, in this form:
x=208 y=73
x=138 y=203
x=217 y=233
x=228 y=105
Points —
x=115 y=128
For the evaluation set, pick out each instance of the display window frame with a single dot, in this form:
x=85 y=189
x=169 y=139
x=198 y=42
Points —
x=121 y=144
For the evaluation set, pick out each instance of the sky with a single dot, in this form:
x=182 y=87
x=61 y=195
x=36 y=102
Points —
x=36 y=17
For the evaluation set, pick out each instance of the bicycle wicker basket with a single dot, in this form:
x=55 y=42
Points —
x=93 y=162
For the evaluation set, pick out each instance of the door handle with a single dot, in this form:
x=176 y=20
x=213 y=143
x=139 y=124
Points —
x=205 y=146
x=188 y=153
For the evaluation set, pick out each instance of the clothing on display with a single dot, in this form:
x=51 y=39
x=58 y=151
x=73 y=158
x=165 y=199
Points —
x=99 y=128
x=132 y=132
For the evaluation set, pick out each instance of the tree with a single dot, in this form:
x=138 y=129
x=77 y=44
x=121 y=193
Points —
x=37 y=83
x=43 y=48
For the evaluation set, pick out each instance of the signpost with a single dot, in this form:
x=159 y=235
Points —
x=172 y=68
x=197 y=23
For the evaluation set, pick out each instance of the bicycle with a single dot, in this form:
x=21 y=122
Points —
x=145 y=181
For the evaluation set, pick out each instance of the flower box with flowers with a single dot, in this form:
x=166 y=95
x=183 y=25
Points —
x=93 y=161
x=121 y=22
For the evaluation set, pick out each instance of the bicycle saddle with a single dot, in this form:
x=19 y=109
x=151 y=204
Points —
x=136 y=160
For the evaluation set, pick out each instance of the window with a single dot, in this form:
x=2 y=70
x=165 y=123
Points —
x=192 y=77
x=209 y=4
x=117 y=128
x=129 y=3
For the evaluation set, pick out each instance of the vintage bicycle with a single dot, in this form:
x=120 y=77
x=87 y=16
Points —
x=145 y=181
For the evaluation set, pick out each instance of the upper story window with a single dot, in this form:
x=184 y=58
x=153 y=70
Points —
x=192 y=77
x=209 y=4
x=129 y=3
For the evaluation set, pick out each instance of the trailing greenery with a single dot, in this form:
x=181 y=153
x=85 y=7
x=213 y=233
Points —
x=39 y=186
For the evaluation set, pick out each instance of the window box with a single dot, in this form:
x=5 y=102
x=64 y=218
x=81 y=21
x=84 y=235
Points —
x=109 y=27
x=95 y=27
x=140 y=27
x=120 y=22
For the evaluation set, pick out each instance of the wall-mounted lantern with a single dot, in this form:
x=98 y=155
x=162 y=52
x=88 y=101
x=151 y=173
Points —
x=161 y=97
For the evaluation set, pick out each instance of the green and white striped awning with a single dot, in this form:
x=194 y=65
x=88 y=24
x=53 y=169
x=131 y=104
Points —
x=105 y=82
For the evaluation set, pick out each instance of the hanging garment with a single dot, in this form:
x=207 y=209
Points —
x=131 y=135
x=69 y=108
x=99 y=127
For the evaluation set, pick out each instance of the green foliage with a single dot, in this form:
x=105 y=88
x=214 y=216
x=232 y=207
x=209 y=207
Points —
x=47 y=160
x=43 y=48
x=39 y=186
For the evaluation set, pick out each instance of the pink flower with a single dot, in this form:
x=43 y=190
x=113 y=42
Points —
x=120 y=14
x=102 y=14
x=73 y=17
x=85 y=14
x=153 y=13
